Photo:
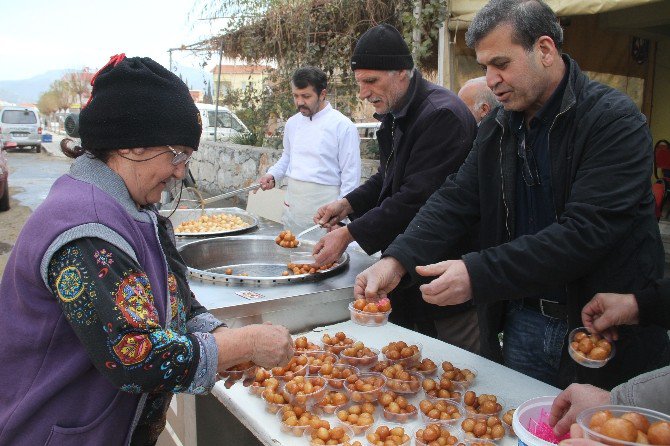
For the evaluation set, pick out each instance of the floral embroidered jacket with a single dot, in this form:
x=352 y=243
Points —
x=98 y=327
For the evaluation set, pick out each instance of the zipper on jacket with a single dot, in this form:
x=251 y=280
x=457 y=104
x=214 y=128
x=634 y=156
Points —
x=567 y=319
x=553 y=200
x=502 y=181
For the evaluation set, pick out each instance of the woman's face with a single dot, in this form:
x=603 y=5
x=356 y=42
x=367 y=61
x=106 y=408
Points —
x=146 y=171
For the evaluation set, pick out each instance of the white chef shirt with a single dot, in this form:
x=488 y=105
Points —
x=321 y=150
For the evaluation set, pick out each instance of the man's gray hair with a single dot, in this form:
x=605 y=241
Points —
x=530 y=20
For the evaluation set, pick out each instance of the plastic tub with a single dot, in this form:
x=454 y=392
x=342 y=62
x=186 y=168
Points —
x=580 y=357
x=271 y=406
x=406 y=387
x=372 y=429
x=317 y=358
x=324 y=405
x=365 y=361
x=289 y=375
x=472 y=412
x=584 y=418
x=531 y=409
x=424 y=368
x=339 y=346
x=400 y=417
x=365 y=396
x=347 y=430
x=338 y=383
x=357 y=429
x=303 y=399
x=475 y=419
x=368 y=319
x=468 y=381
x=456 y=393
x=452 y=422
x=296 y=430
x=409 y=361
x=454 y=432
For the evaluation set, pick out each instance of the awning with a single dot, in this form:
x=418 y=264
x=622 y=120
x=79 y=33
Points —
x=464 y=10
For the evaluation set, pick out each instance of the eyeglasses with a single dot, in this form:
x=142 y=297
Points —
x=528 y=165
x=179 y=157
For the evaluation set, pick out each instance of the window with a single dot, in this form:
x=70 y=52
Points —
x=224 y=121
x=19 y=117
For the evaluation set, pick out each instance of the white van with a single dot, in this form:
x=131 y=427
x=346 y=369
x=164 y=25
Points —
x=21 y=125
x=368 y=130
x=228 y=123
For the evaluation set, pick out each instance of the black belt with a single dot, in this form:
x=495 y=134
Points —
x=547 y=308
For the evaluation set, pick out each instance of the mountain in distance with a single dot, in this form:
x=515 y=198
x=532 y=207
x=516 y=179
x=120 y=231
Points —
x=29 y=90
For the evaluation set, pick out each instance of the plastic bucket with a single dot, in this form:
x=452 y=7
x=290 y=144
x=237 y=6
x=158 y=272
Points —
x=524 y=413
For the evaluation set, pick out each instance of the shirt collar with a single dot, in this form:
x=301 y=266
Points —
x=320 y=113
x=549 y=110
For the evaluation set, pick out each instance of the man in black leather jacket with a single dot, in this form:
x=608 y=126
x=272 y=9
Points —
x=558 y=180
x=426 y=133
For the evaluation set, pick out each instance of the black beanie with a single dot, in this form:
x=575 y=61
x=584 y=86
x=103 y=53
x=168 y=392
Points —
x=135 y=102
x=381 y=48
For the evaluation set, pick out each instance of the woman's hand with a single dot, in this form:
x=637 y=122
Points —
x=267 y=345
x=271 y=345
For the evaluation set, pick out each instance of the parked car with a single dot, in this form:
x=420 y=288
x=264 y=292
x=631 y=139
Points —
x=4 y=174
x=368 y=133
x=228 y=124
x=21 y=125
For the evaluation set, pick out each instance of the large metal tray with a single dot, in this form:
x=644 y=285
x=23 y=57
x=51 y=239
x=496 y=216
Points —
x=256 y=255
x=182 y=215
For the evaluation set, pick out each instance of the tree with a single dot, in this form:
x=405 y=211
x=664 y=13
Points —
x=47 y=103
x=294 y=33
x=62 y=93
x=207 y=98
x=79 y=83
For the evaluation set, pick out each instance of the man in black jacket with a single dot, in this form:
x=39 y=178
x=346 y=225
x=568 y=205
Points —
x=426 y=133
x=558 y=179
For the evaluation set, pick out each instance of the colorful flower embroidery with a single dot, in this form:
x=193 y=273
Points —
x=132 y=299
x=69 y=284
x=133 y=348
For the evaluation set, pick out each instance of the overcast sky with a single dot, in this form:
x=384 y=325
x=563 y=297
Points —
x=41 y=35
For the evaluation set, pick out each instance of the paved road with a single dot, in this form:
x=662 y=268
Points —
x=32 y=174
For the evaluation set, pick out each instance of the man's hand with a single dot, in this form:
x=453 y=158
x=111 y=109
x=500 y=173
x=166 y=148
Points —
x=379 y=279
x=569 y=403
x=577 y=438
x=452 y=287
x=267 y=182
x=330 y=214
x=608 y=310
x=331 y=246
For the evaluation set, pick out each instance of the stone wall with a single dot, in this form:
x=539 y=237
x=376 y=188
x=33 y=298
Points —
x=220 y=167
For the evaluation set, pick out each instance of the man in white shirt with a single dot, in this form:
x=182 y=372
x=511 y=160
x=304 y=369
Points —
x=321 y=157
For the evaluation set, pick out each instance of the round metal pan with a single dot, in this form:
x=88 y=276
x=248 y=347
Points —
x=254 y=259
x=182 y=215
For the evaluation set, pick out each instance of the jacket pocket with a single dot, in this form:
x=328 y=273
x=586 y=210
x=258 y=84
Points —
x=97 y=433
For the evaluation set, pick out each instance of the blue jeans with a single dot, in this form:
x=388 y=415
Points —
x=532 y=342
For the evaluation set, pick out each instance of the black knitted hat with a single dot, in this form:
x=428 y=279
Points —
x=381 y=48
x=136 y=102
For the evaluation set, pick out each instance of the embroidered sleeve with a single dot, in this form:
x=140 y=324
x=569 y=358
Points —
x=107 y=299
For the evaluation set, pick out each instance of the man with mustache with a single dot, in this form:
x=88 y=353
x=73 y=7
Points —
x=321 y=157
x=426 y=133
x=559 y=182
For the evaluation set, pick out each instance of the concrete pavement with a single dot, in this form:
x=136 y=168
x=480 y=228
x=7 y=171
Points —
x=53 y=147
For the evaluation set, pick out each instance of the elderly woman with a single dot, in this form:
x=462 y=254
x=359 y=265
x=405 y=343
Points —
x=98 y=325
